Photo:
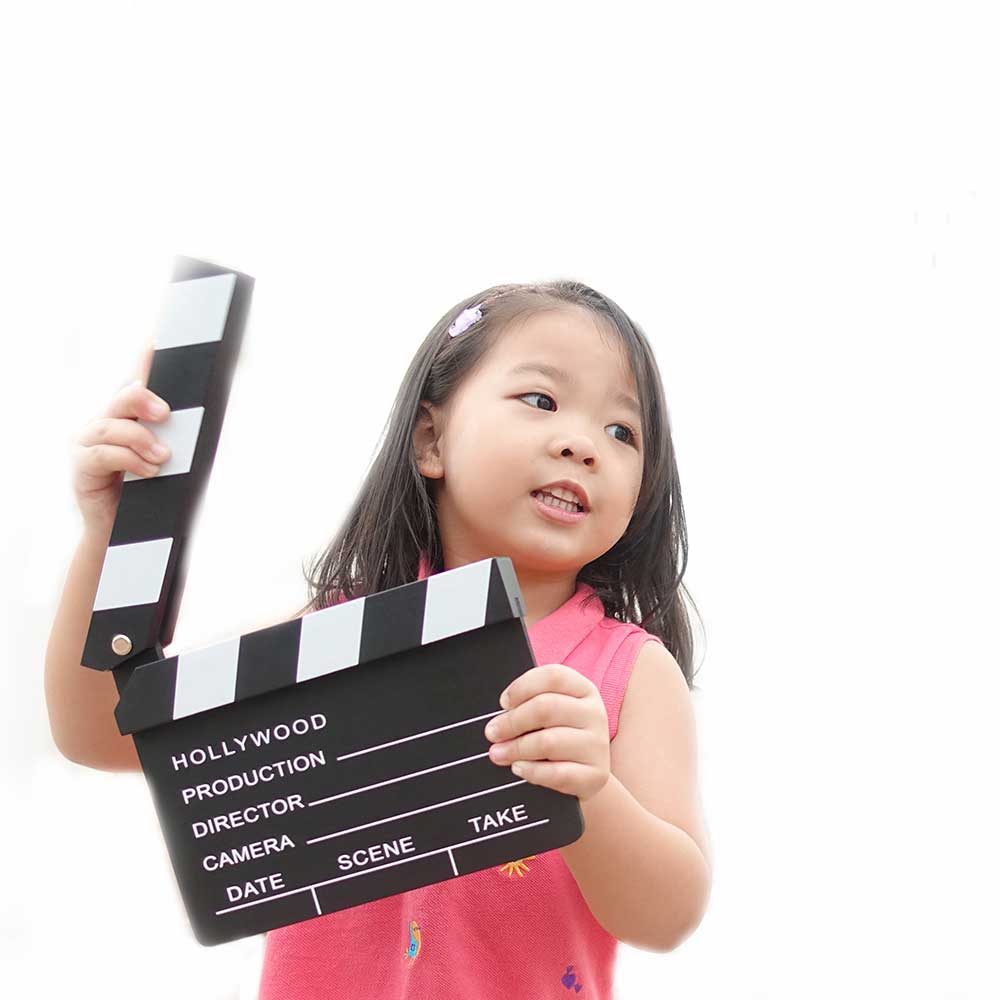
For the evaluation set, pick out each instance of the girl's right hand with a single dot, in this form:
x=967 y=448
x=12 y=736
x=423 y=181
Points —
x=115 y=443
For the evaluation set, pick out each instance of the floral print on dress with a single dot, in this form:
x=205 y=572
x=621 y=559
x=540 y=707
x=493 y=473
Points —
x=519 y=867
x=569 y=980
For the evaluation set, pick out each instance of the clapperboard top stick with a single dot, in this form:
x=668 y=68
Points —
x=344 y=635
x=197 y=344
x=322 y=762
x=335 y=638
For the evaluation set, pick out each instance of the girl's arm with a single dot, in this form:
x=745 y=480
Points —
x=81 y=701
x=644 y=862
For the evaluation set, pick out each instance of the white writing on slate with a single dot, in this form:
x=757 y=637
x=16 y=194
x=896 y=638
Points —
x=375 y=856
x=249 y=741
x=376 y=852
x=258 y=849
x=503 y=817
x=256 y=887
x=245 y=779
x=251 y=814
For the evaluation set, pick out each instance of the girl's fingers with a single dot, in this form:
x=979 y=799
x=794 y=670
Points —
x=550 y=708
x=136 y=401
x=146 y=362
x=101 y=460
x=554 y=743
x=566 y=776
x=547 y=677
x=128 y=434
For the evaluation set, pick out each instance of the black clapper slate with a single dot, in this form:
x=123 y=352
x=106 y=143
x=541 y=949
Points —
x=300 y=795
x=330 y=760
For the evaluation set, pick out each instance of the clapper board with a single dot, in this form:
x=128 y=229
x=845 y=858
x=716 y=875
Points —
x=322 y=762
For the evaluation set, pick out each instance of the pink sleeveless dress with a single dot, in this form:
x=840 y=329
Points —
x=520 y=931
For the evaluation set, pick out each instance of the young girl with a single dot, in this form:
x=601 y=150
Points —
x=530 y=424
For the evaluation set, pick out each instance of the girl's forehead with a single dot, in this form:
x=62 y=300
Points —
x=571 y=339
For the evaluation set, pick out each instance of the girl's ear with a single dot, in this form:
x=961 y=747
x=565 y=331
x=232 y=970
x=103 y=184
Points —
x=426 y=440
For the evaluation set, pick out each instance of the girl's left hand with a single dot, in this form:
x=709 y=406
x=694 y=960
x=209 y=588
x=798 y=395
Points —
x=556 y=729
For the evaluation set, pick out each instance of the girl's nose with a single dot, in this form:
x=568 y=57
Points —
x=578 y=446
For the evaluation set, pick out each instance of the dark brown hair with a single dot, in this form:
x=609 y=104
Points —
x=394 y=518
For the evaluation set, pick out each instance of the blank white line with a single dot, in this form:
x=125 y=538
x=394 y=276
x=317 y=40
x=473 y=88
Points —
x=413 y=812
x=451 y=858
x=402 y=777
x=417 y=736
x=391 y=864
x=316 y=901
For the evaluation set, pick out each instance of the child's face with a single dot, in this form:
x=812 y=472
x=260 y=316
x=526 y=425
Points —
x=497 y=441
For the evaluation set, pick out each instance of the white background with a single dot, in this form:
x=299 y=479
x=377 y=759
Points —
x=799 y=204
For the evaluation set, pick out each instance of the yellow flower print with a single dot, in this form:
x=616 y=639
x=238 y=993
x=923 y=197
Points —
x=516 y=866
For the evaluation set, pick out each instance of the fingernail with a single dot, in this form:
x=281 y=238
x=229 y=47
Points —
x=159 y=451
x=158 y=409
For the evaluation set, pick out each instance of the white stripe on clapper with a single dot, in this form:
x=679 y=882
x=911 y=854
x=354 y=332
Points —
x=330 y=639
x=456 y=601
x=194 y=311
x=132 y=574
x=206 y=678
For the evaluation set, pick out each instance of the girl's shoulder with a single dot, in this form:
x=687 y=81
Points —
x=627 y=630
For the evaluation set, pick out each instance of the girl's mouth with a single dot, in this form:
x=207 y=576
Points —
x=558 y=510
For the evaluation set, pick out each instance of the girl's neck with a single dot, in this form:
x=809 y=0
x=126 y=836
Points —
x=544 y=595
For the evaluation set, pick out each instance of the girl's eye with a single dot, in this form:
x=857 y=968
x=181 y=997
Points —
x=540 y=394
x=632 y=438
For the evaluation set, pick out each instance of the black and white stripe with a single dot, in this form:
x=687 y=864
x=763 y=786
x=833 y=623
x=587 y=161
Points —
x=196 y=346
x=322 y=642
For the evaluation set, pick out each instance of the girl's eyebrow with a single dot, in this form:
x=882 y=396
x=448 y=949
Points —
x=558 y=375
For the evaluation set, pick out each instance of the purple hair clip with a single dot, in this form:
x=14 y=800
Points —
x=473 y=314
x=464 y=320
